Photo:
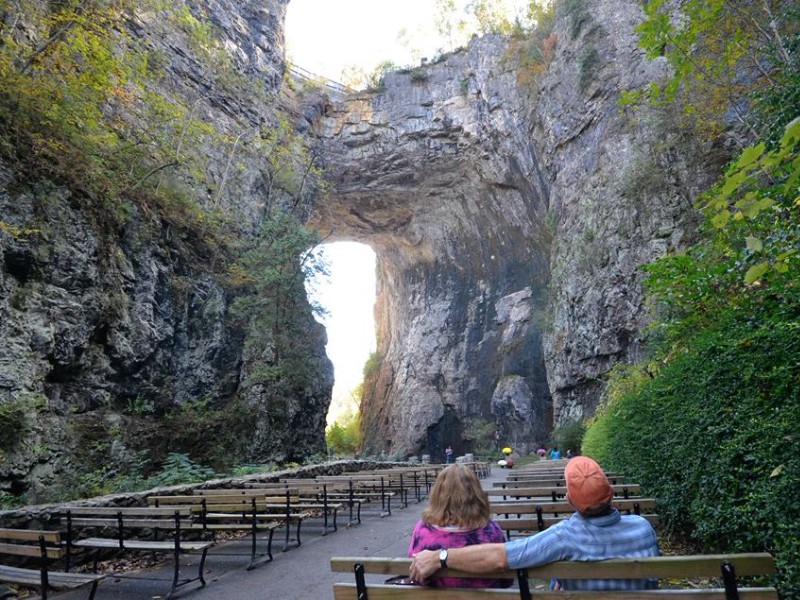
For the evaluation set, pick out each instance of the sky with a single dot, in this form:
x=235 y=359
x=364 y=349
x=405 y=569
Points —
x=325 y=36
x=348 y=294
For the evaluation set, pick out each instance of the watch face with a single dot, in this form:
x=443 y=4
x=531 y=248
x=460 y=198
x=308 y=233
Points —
x=443 y=557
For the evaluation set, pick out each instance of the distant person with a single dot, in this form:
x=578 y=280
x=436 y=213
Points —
x=457 y=515
x=570 y=453
x=555 y=453
x=597 y=531
x=541 y=452
x=448 y=455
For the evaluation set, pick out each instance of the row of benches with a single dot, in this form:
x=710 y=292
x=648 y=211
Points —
x=533 y=499
x=189 y=523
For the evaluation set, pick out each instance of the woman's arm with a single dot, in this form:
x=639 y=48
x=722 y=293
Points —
x=479 y=558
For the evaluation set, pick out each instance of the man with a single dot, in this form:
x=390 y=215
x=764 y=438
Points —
x=595 y=532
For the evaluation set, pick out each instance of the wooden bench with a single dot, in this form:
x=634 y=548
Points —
x=367 y=487
x=295 y=497
x=46 y=546
x=728 y=567
x=548 y=514
x=625 y=490
x=254 y=513
x=125 y=524
x=554 y=481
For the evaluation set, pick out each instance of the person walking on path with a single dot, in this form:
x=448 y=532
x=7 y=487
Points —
x=448 y=455
x=595 y=532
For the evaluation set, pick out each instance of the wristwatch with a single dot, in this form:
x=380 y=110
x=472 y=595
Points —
x=443 y=558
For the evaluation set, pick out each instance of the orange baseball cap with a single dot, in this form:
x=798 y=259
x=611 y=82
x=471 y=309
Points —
x=587 y=485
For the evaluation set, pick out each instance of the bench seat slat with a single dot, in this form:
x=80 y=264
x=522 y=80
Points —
x=57 y=580
x=129 y=511
x=136 y=544
x=130 y=523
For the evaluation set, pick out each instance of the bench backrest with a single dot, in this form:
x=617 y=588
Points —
x=625 y=490
x=524 y=507
x=31 y=542
x=727 y=566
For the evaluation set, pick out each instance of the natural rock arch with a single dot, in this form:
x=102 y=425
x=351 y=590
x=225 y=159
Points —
x=439 y=177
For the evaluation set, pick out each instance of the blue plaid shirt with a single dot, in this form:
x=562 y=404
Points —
x=586 y=539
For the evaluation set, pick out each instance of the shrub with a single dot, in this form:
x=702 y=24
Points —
x=179 y=468
x=568 y=436
x=714 y=437
x=344 y=436
x=419 y=75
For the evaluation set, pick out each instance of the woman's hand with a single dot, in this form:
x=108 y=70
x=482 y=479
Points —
x=424 y=564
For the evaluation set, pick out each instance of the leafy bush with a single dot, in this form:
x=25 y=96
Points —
x=344 y=436
x=714 y=437
x=568 y=436
x=179 y=468
x=16 y=419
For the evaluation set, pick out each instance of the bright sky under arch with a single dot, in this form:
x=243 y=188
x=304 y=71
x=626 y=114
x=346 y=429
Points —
x=348 y=295
x=326 y=36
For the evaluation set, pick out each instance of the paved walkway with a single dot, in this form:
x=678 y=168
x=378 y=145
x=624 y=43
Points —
x=301 y=573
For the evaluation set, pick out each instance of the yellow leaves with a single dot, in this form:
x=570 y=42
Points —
x=754 y=244
x=755 y=273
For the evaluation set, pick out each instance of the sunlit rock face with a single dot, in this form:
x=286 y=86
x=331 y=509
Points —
x=438 y=173
x=509 y=224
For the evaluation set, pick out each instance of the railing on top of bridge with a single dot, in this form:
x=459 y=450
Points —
x=320 y=80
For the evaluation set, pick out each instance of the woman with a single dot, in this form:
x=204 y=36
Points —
x=457 y=515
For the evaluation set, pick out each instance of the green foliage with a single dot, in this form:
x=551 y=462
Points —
x=211 y=430
x=714 y=437
x=343 y=437
x=722 y=53
x=373 y=364
x=79 y=103
x=420 y=75
x=16 y=419
x=178 y=468
x=480 y=434
x=568 y=436
x=270 y=276
x=761 y=190
x=11 y=501
x=533 y=50
x=140 y=406
x=374 y=81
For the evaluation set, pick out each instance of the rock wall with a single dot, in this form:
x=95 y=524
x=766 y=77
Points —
x=108 y=327
x=509 y=223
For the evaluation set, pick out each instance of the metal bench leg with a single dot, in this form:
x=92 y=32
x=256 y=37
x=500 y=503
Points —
x=202 y=566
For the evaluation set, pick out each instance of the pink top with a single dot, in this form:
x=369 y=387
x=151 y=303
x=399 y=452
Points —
x=431 y=537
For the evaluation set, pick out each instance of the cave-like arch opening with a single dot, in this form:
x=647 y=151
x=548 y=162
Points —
x=346 y=293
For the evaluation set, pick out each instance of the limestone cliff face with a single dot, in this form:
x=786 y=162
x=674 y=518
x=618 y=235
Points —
x=105 y=329
x=438 y=173
x=509 y=225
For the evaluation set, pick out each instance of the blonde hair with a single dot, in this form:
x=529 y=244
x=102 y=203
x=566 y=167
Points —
x=457 y=499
